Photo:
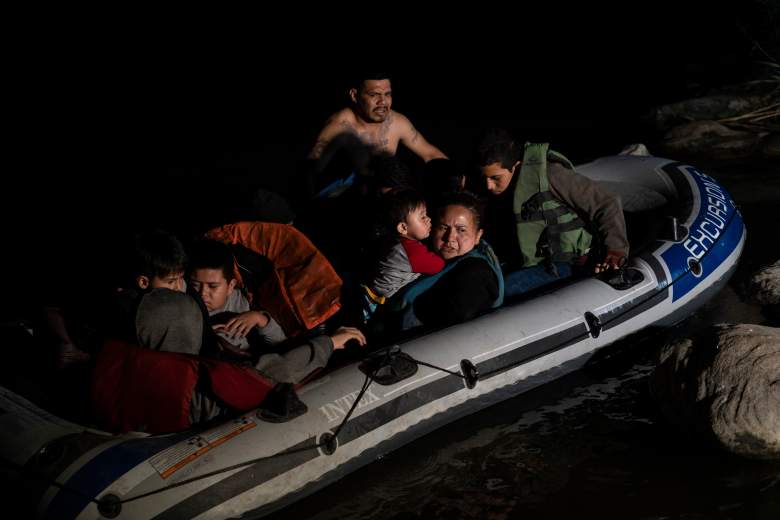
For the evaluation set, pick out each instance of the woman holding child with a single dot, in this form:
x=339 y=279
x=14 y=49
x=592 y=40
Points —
x=471 y=281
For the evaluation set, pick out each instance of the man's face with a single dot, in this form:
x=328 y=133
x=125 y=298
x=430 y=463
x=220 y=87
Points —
x=374 y=100
x=212 y=286
x=496 y=177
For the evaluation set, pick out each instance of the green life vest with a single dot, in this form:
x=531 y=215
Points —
x=547 y=229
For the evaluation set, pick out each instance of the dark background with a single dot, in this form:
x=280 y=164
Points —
x=123 y=135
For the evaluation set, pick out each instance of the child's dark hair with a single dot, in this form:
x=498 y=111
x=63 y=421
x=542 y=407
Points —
x=495 y=145
x=396 y=206
x=389 y=171
x=211 y=254
x=158 y=253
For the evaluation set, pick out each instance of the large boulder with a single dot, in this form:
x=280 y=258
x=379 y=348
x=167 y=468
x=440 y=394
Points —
x=710 y=139
x=771 y=146
x=735 y=123
x=763 y=289
x=706 y=108
x=724 y=384
x=764 y=286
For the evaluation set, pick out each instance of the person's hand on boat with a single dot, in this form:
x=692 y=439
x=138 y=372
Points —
x=240 y=325
x=612 y=261
x=345 y=334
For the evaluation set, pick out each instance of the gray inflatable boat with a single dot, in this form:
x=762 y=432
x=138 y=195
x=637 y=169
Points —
x=687 y=236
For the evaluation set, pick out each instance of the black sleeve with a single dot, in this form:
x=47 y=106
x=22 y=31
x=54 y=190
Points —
x=467 y=290
x=118 y=315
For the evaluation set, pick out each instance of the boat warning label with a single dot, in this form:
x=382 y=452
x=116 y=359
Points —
x=168 y=462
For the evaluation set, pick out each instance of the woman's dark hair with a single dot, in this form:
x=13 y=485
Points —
x=466 y=199
x=495 y=145
x=211 y=254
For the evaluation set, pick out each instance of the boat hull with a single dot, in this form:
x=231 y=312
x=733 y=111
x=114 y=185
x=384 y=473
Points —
x=250 y=467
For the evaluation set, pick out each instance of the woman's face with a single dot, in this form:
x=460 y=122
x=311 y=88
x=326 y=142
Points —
x=455 y=232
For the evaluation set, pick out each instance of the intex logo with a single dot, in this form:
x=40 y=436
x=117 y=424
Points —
x=339 y=408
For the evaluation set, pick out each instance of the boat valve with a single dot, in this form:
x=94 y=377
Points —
x=594 y=324
x=328 y=443
x=470 y=373
x=109 y=506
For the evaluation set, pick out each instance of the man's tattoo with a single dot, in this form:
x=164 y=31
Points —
x=383 y=139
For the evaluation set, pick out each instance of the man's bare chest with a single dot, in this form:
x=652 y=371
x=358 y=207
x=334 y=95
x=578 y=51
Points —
x=381 y=138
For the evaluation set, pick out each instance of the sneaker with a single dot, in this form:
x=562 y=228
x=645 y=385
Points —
x=281 y=404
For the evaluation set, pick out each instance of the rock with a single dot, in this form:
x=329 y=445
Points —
x=705 y=108
x=771 y=146
x=724 y=384
x=764 y=286
x=635 y=149
x=712 y=139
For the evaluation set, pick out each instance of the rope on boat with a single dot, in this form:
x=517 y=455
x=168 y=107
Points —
x=450 y=372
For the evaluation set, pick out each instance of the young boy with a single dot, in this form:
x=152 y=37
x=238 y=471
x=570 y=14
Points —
x=404 y=219
x=211 y=276
x=168 y=320
x=157 y=260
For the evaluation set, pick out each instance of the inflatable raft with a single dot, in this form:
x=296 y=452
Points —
x=686 y=234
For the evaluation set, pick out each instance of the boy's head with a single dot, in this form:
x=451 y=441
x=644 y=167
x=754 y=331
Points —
x=389 y=173
x=404 y=213
x=211 y=272
x=495 y=145
x=159 y=261
x=498 y=156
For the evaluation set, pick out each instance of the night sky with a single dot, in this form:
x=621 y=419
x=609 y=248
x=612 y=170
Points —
x=156 y=132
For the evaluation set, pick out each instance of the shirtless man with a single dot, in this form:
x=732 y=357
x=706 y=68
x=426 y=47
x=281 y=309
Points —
x=371 y=118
